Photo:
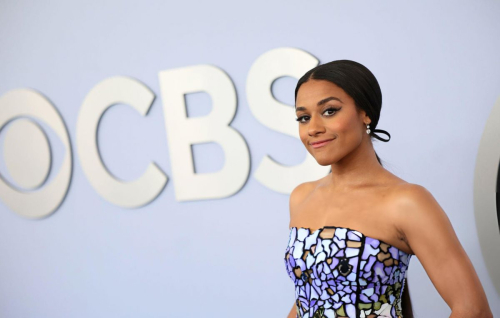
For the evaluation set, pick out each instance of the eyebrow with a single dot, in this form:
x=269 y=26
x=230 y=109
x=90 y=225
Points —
x=321 y=102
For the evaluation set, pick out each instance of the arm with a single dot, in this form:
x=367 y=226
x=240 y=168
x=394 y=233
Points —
x=432 y=238
x=293 y=312
x=296 y=197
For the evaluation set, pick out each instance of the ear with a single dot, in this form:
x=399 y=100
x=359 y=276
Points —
x=364 y=117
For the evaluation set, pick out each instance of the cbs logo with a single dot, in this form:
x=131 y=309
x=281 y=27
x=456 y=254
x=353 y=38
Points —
x=28 y=154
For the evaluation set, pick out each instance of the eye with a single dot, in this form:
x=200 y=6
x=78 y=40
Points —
x=332 y=111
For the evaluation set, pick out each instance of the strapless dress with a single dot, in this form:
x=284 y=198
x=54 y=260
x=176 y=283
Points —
x=340 y=272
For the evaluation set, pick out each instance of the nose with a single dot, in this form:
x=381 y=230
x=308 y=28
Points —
x=315 y=126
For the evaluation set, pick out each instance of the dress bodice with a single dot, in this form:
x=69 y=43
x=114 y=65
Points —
x=340 y=272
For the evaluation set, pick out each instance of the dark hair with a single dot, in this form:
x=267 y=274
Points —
x=358 y=82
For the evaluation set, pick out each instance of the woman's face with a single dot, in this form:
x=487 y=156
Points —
x=326 y=112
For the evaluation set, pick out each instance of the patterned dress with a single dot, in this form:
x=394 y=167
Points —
x=340 y=272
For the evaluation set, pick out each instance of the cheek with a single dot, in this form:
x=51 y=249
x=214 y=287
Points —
x=303 y=136
x=347 y=128
x=341 y=126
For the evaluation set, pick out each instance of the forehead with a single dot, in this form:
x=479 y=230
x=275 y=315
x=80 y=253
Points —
x=313 y=91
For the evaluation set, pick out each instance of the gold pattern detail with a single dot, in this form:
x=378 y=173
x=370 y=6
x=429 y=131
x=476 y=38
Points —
x=389 y=262
x=327 y=233
x=353 y=244
x=384 y=247
x=297 y=271
x=383 y=256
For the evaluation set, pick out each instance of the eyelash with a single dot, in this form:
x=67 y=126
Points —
x=328 y=109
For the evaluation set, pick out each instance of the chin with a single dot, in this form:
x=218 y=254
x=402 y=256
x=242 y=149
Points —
x=324 y=162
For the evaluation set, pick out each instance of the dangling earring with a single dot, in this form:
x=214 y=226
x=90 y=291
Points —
x=368 y=129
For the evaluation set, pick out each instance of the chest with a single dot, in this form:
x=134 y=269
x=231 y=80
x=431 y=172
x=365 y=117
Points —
x=373 y=213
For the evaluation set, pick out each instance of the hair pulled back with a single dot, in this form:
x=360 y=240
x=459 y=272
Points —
x=358 y=82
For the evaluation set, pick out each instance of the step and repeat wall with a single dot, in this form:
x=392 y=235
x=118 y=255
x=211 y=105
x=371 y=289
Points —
x=148 y=149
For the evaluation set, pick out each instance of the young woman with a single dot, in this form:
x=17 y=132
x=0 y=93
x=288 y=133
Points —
x=353 y=232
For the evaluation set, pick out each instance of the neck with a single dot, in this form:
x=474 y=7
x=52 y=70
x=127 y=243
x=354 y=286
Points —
x=359 y=168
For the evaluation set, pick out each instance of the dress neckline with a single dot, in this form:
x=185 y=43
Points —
x=311 y=232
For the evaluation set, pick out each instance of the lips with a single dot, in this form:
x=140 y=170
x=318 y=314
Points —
x=321 y=143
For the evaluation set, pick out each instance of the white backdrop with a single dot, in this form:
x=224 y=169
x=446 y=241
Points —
x=439 y=70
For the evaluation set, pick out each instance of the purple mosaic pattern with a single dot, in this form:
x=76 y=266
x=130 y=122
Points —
x=339 y=272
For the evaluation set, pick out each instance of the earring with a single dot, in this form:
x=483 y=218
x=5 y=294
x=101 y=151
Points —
x=368 y=129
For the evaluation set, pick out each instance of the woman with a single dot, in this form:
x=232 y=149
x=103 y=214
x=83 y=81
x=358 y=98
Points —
x=354 y=231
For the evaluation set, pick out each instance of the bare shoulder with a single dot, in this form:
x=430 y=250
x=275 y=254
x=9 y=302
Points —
x=418 y=212
x=299 y=194
x=413 y=198
x=301 y=191
x=411 y=193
